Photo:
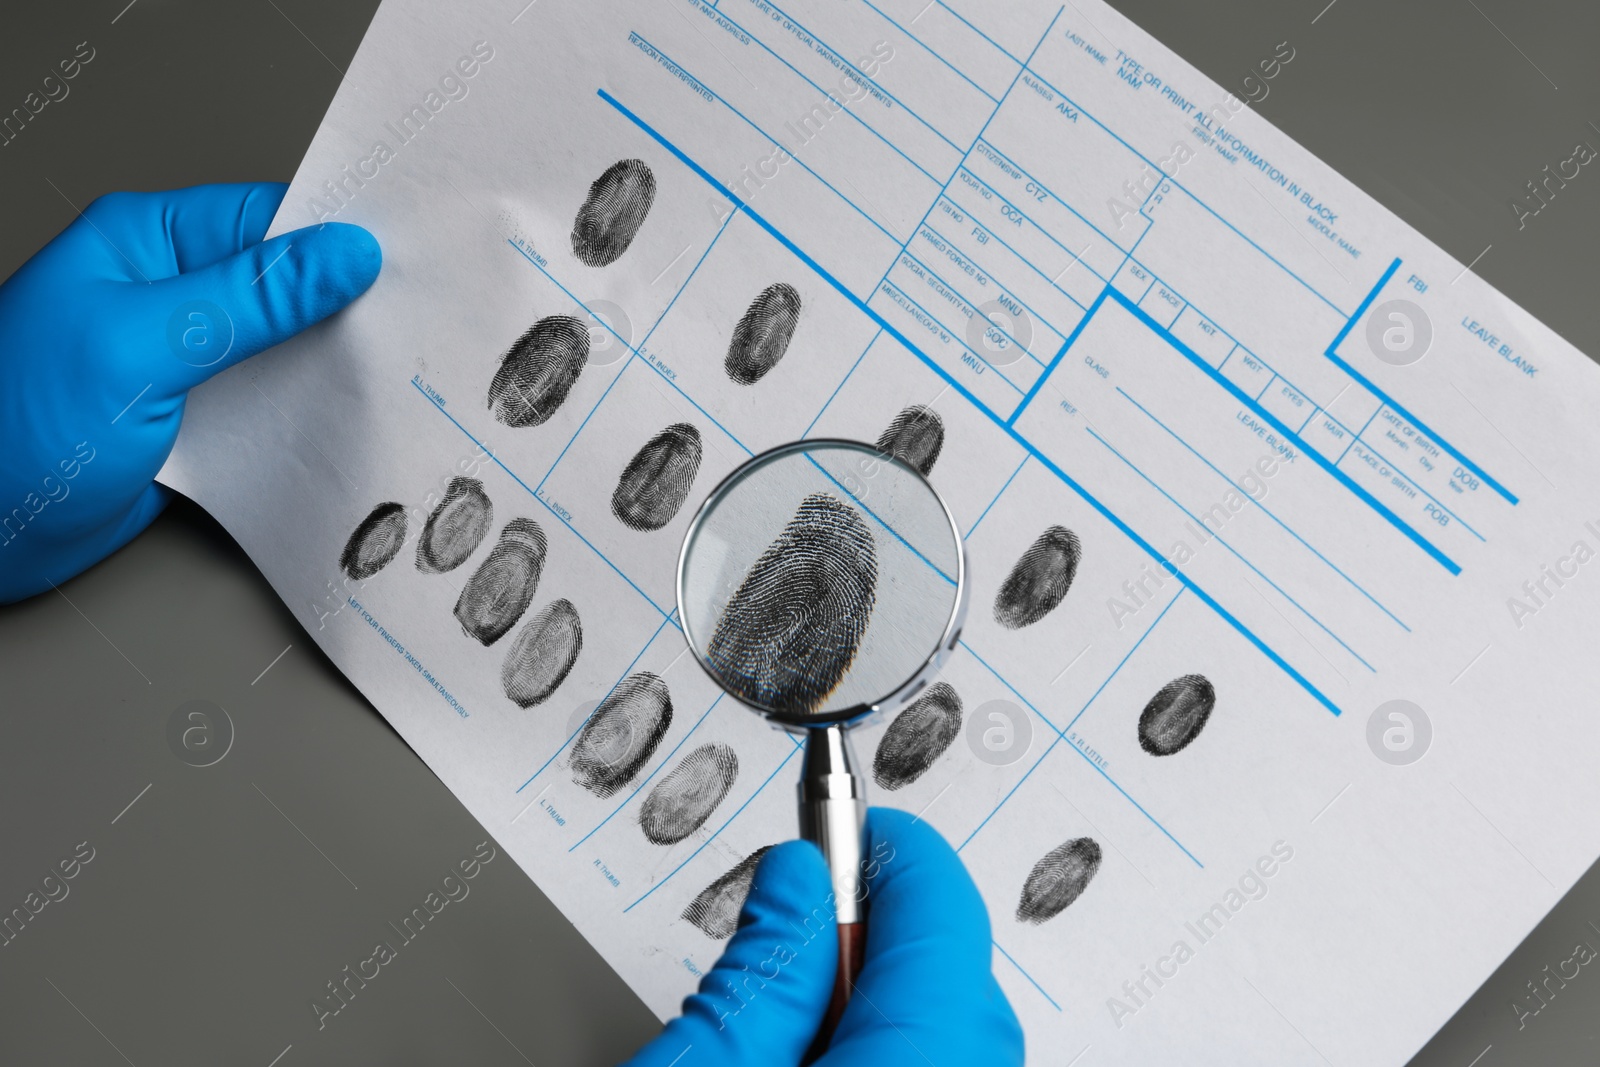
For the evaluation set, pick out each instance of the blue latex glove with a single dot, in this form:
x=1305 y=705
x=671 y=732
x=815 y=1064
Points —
x=107 y=328
x=926 y=994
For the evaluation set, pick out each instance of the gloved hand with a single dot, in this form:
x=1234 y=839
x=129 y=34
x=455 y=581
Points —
x=106 y=329
x=926 y=994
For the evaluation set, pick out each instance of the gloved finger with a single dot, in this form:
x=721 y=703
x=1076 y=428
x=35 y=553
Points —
x=149 y=237
x=208 y=223
x=927 y=993
x=764 y=999
x=212 y=318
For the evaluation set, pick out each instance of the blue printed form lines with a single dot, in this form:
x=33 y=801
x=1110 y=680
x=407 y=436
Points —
x=1169 y=180
x=1056 y=361
x=1333 y=354
x=1061 y=735
x=1278 y=424
x=859 y=120
x=954 y=295
x=984 y=236
x=996 y=500
x=1235 y=552
x=1264 y=509
x=930 y=51
x=922 y=315
x=1004 y=160
x=1253 y=400
x=967 y=393
x=1275 y=383
x=857 y=72
x=857 y=208
x=1025 y=974
x=847 y=376
x=1433 y=499
x=982 y=130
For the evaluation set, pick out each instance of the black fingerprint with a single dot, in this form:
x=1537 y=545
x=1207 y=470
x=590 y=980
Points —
x=918 y=736
x=762 y=335
x=656 y=480
x=791 y=630
x=1176 y=715
x=502 y=587
x=542 y=654
x=456 y=527
x=538 y=371
x=1040 y=579
x=1058 y=879
x=622 y=734
x=612 y=213
x=685 y=798
x=375 y=542
x=715 y=911
x=914 y=437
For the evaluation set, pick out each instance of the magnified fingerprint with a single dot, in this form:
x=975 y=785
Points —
x=539 y=370
x=612 y=213
x=763 y=333
x=622 y=734
x=685 y=798
x=791 y=630
x=656 y=480
x=715 y=911
x=1058 y=879
x=542 y=654
x=1176 y=715
x=915 y=437
x=456 y=527
x=375 y=542
x=1039 y=580
x=917 y=737
x=502 y=587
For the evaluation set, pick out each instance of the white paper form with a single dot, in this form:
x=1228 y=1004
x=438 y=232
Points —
x=1139 y=313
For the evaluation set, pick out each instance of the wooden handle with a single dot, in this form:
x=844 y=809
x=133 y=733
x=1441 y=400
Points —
x=852 y=953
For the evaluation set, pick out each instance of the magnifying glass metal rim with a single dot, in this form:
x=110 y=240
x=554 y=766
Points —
x=919 y=677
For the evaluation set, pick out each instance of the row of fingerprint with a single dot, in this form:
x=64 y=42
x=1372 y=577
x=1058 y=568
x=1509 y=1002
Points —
x=540 y=368
x=920 y=734
x=625 y=729
x=1059 y=878
x=496 y=596
x=655 y=483
x=650 y=491
x=1055 y=882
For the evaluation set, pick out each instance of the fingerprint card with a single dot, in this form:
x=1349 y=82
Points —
x=1278 y=649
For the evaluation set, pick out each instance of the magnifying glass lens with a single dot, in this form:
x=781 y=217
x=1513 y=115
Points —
x=819 y=580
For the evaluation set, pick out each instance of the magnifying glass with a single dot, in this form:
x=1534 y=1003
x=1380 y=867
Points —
x=822 y=583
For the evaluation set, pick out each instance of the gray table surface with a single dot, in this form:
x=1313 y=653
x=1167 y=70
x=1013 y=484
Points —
x=221 y=899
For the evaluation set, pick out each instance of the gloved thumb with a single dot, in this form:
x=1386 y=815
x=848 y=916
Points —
x=764 y=999
x=214 y=317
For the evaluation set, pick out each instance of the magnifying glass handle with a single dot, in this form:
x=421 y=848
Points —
x=833 y=811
